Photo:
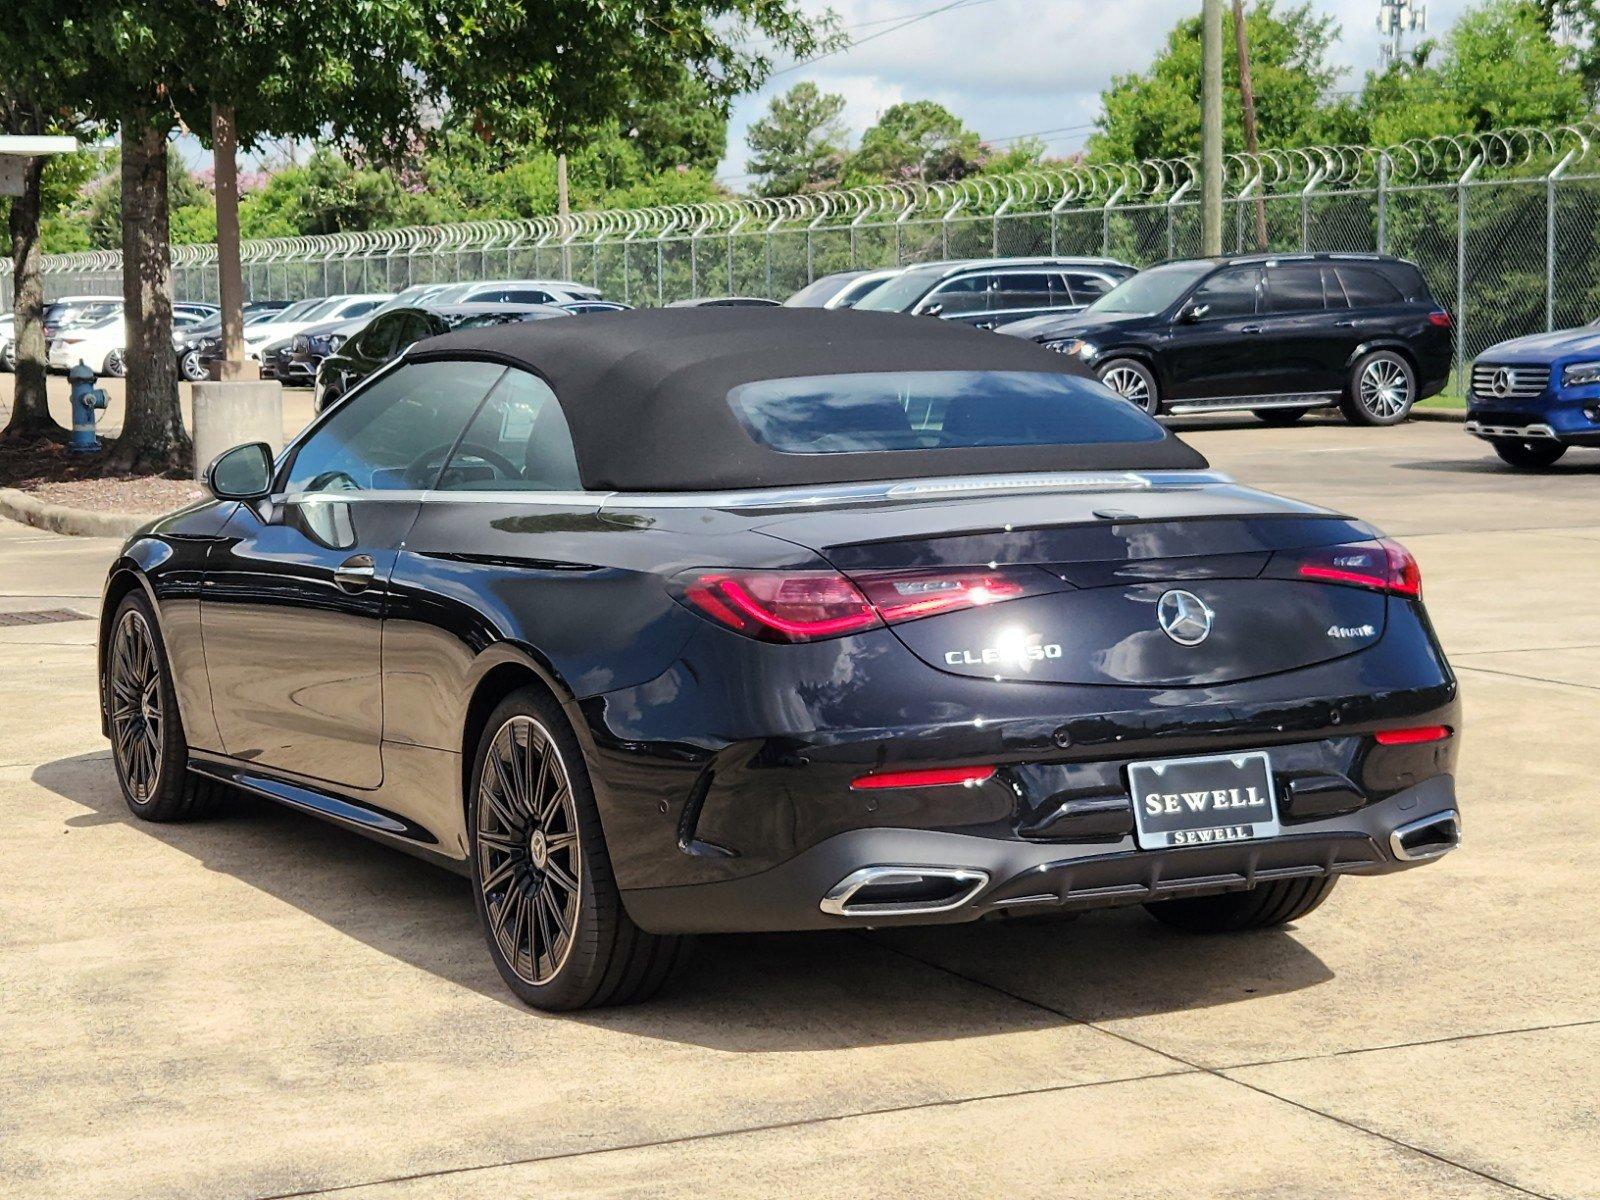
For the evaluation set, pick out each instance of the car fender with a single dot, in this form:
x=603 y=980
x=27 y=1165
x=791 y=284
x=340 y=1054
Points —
x=1381 y=342
x=1143 y=355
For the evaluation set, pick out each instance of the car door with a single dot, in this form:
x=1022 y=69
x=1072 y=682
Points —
x=1305 y=338
x=295 y=592
x=1014 y=295
x=965 y=298
x=1371 y=305
x=1216 y=350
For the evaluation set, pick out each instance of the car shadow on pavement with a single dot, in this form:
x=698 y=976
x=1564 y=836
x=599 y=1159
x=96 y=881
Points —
x=745 y=993
x=1491 y=465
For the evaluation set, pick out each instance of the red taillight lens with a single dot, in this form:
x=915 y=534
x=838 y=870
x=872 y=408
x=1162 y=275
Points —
x=905 y=596
x=803 y=606
x=1440 y=318
x=1384 y=566
x=933 y=777
x=781 y=606
x=1413 y=736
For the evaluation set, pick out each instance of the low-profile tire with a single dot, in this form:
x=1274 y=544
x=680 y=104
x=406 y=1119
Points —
x=115 y=365
x=192 y=369
x=545 y=892
x=147 y=742
x=1381 y=389
x=1529 y=452
x=1265 y=906
x=1280 y=416
x=1133 y=381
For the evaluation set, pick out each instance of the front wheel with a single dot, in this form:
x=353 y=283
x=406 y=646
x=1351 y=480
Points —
x=1381 y=390
x=1529 y=452
x=545 y=892
x=1265 y=906
x=1134 y=382
x=147 y=742
x=115 y=365
x=192 y=368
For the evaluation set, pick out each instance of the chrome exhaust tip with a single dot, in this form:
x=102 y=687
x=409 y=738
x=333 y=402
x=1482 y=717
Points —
x=902 y=891
x=1430 y=837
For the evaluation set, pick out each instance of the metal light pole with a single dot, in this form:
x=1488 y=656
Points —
x=1211 y=129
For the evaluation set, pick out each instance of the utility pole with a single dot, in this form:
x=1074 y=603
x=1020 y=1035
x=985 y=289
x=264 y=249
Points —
x=1211 y=128
x=1247 y=97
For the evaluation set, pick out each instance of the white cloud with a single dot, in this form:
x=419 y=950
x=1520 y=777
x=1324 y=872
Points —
x=1009 y=67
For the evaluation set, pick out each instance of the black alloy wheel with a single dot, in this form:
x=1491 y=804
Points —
x=1529 y=452
x=545 y=892
x=147 y=742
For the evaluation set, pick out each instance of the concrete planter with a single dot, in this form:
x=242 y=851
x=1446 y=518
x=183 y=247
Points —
x=229 y=414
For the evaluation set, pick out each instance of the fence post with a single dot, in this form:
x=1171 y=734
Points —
x=1067 y=195
x=1461 y=260
x=1550 y=238
x=1317 y=177
x=1383 y=204
x=1105 y=218
x=1172 y=210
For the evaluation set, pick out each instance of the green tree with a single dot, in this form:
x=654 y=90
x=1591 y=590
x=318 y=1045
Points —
x=799 y=145
x=918 y=140
x=1156 y=113
x=1497 y=66
x=1581 y=19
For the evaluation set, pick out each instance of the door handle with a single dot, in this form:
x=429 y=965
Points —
x=1344 y=324
x=355 y=573
x=1251 y=328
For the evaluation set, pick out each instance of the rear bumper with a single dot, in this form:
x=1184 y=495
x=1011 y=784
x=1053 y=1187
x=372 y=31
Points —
x=994 y=876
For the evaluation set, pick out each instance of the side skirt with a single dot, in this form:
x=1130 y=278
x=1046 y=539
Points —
x=371 y=821
x=1180 y=408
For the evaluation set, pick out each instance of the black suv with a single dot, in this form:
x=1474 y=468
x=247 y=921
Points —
x=1277 y=335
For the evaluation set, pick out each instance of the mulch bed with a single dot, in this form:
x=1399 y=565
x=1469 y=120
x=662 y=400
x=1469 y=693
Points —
x=47 y=470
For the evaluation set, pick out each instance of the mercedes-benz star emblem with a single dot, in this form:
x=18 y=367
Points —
x=1502 y=382
x=1184 y=617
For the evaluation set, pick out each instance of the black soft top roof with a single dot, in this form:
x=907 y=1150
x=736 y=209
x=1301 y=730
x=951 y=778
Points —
x=646 y=393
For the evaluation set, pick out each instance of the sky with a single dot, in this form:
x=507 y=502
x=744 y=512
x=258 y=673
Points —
x=1014 y=67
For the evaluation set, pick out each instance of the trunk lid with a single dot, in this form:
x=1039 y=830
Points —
x=1180 y=587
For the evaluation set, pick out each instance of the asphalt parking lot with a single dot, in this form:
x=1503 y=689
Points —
x=265 y=1006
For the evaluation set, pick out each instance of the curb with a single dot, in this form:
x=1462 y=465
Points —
x=59 y=518
x=1456 y=415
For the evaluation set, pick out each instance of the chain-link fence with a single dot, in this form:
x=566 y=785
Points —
x=1505 y=226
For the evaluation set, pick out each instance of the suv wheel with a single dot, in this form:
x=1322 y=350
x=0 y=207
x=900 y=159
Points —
x=1382 y=389
x=1529 y=452
x=1265 y=906
x=115 y=366
x=192 y=368
x=1132 y=381
x=545 y=892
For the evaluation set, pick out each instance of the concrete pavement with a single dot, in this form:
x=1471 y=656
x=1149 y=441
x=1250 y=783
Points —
x=261 y=1005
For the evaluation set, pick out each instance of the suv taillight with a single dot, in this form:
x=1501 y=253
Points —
x=805 y=606
x=1440 y=318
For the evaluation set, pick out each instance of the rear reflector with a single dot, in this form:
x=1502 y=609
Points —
x=933 y=777
x=803 y=606
x=1412 y=736
x=1383 y=566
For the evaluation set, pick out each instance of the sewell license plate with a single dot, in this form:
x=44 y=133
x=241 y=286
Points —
x=1203 y=801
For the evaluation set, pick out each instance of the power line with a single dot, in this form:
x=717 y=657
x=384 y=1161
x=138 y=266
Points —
x=872 y=37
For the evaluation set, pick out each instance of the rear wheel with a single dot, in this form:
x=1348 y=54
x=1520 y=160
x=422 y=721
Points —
x=115 y=365
x=1529 y=452
x=192 y=368
x=1280 y=416
x=1132 y=381
x=545 y=893
x=147 y=742
x=1264 y=906
x=1381 y=391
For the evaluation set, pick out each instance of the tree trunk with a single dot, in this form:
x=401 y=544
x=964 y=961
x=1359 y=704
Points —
x=153 y=439
x=30 y=410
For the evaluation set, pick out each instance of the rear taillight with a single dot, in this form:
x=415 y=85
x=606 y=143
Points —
x=1440 y=318
x=804 y=606
x=1413 y=736
x=1383 y=566
x=931 y=777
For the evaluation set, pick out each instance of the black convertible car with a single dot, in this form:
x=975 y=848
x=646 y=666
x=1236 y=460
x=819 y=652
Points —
x=773 y=619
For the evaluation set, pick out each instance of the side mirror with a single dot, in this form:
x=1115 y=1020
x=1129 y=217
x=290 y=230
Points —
x=1193 y=312
x=933 y=310
x=243 y=473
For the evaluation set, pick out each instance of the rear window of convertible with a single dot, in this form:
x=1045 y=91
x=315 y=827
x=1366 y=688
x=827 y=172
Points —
x=935 y=410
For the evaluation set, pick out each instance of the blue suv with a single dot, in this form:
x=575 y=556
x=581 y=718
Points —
x=1533 y=397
